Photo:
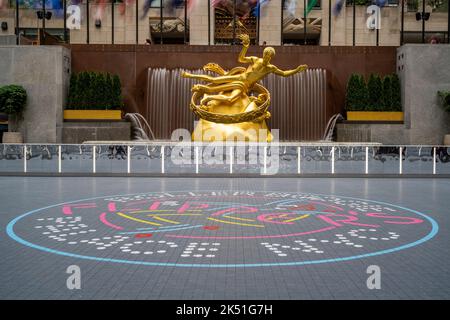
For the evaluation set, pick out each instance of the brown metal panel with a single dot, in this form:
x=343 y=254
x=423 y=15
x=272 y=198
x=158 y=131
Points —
x=132 y=63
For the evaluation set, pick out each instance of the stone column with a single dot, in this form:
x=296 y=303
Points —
x=270 y=23
x=198 y=24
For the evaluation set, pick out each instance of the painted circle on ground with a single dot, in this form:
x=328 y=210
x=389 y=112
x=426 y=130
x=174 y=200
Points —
x=222 y=228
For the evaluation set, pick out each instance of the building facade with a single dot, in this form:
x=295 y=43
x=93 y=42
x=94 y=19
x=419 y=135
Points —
x=209 y=22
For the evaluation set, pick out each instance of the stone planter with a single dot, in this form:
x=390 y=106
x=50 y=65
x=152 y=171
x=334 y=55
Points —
x=12 y=137
x=447 y=140
x=375 y=116
x=92 y=114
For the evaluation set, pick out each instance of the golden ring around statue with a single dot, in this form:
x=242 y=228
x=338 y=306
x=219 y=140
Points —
x=258 y=114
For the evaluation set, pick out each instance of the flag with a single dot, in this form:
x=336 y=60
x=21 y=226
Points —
x=311 y=4
x=257 y=10
x=338 y=7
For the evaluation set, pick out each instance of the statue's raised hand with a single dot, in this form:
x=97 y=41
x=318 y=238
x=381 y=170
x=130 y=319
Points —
x=245 y=39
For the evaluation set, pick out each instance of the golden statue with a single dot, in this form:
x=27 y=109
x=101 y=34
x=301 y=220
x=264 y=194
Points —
x=233 y=106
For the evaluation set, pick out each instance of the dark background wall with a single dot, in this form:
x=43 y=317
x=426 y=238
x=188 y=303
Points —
x=131 y=62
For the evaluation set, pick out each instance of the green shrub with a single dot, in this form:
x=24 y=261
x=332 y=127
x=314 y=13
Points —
x=13 y=99
x=386 y=94
x=374 y=88
x=94 y=90
x=445 y=99
x=117 y=93
x=396 y=98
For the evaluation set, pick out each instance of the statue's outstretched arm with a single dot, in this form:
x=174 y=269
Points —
x=245 y=44
x=287 y=73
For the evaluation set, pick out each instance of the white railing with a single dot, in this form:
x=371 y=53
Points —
x=166 y=158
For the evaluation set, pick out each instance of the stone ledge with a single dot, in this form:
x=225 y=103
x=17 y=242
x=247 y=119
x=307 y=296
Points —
x=79 y=132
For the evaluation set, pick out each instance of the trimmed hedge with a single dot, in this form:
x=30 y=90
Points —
x=378 y=94
x=357 y=96
x=94 y=91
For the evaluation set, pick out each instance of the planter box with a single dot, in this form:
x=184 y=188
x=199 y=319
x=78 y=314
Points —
x=374 y=116
x=92 y=114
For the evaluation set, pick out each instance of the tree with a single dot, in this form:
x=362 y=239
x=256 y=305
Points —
x=351 y=100
x=356 y=94
x=363 y=95
x=13 y=99
x=374 y=88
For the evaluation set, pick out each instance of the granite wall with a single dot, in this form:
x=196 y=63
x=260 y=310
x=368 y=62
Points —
x=44 y=71
x=424 y=69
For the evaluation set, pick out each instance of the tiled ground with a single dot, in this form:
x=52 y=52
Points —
x=417 y=272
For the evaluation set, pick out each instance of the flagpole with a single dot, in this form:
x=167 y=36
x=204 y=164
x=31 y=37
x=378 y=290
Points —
x=304 y=22
x=329 y=22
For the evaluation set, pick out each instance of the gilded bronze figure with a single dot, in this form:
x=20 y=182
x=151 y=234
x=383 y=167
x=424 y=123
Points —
x=233 y=105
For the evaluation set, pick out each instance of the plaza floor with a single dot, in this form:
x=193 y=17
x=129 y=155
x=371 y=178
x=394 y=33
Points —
x=217 y=238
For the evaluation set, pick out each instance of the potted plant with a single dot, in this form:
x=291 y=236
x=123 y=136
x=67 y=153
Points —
x=378 y=100
x=94 y=96
x=445 y=100
x=13 y=99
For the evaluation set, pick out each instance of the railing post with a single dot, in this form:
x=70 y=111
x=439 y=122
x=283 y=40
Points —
x=400 y=169
x=128 y=159
x=367 y=160
x=265 y=160
x=231 y=159
x=332 y=160
x=196 y=159
x=162 y=159
x=434 y=160
x=94 y=151
x=299 y=171
x=59 y=159
x=24 y=158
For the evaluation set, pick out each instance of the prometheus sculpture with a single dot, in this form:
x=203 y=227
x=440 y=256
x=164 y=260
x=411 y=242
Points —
x=234 y=106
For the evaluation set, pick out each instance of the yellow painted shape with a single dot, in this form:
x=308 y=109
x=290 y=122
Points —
x=240 y=224
x=165 y=220
x=298 y=218
x=138 y=220
x=92 y=114
x=174 y=214
x=374 y=116
x=242 y=219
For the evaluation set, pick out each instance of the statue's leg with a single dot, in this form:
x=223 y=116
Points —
x=222 y=97
x=203 y=77
x=218 y=88
x=196 y=76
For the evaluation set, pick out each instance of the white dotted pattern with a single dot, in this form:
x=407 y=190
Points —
x=300 y=246
x=201 y=250
x=148 y=247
